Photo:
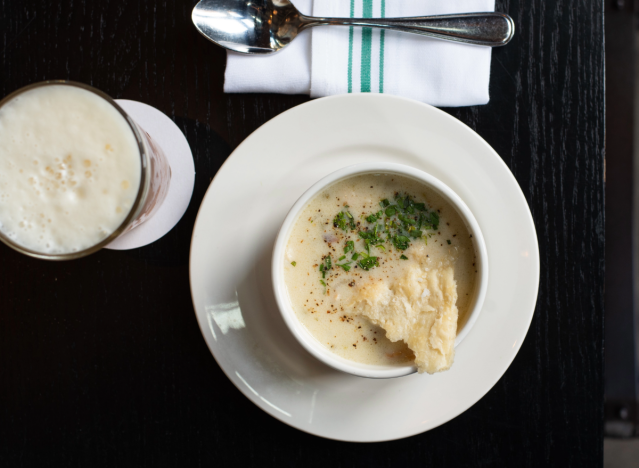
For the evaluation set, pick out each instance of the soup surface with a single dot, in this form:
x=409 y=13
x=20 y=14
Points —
x=381 y=270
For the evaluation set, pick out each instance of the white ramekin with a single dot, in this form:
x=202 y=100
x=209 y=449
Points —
x=308 y=341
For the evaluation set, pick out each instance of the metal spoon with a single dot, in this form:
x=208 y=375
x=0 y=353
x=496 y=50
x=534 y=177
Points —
x=266 y=26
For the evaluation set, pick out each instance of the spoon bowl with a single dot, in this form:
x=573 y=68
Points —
x=249 y=27
x=267 y=26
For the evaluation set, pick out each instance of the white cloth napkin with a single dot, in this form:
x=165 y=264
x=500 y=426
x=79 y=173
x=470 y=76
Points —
x=335 y=60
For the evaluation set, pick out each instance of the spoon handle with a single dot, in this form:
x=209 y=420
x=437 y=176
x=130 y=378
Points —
x=485 y=29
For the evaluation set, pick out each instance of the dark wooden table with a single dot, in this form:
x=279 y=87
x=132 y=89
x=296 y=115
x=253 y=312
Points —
x=101 y=359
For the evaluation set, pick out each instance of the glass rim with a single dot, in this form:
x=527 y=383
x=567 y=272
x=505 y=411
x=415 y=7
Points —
x=139 y=199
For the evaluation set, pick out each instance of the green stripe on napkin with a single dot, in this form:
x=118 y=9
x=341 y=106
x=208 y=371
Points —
x=367 y=46
x=381 y=51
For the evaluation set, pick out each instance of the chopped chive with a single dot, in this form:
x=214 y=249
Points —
x=434 y=220
x=448 y=241
x=400 y=242
x=406 y=219
x=368 y=263
x=343 y=222
x=294 y=263
x=402 y=221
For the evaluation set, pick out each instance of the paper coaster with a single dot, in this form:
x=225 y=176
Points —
x=178 y=152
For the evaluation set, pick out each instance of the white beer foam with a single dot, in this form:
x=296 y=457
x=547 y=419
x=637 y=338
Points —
x=69 y=169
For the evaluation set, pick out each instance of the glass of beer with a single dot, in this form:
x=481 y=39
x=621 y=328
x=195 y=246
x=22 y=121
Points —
x=76 y=171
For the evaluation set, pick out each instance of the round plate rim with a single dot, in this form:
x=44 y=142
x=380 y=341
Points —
x=427 y=108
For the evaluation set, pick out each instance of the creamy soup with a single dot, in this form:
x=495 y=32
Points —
x=381 y=270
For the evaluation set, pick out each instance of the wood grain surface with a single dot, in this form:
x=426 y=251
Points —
x=101 y=360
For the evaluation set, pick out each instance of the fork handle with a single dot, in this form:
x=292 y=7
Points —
x=484 y=29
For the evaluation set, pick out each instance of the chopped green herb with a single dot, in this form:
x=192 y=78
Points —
x=400 y=242
x=448 y=241
x=429 y=221
x=344 y=221
x=322 y=281
x=371 y=238
x=403 y=221
x=326 y=265
x=375 y=216
x=367 y=235
x=294 y=263
x=434 y=220
x=368 y=263
x=406 y=219
x=339 y=221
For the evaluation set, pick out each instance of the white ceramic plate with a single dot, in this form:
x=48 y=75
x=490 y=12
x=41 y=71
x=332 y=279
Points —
x=231 y=258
